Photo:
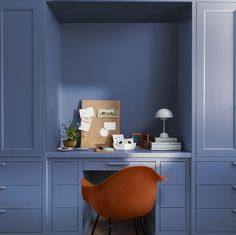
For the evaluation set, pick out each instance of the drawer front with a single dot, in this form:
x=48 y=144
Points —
x=216 y=220
x=115 y=165
x=64 y=172
x=64 y=220
x=65 y=195
x=175 y=171
x=24 y=173
x=172 y=196
x=20 y=197
x=216 y=173
x=172 y=219
x=216 y=197
x=20 y=221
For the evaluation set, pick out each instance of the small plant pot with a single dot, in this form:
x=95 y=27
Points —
x=70 y=143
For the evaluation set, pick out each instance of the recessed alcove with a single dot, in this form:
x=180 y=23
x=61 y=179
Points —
x=135 y=52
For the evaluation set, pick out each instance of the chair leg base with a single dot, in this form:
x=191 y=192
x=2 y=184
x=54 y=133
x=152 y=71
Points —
x=109 y=226
x=143 y=225
x=135 y=226
x=95 y=224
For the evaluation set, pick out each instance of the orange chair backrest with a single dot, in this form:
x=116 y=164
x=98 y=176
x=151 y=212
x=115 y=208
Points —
x=128 y=193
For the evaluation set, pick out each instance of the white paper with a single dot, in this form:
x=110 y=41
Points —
x=117 y=138
x=88 y=112
x=104 y=132
x=86 y=118
x=85 y=124
x=111 y=126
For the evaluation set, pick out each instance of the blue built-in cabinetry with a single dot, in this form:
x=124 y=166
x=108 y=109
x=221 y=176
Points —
x=214 y=178
x=148 y=54
x=21 y=198
x=21 y=79
x=21 y=118
x=216 y=79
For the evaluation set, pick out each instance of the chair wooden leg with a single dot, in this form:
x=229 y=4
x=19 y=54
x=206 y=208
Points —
x=95 y=224
x=110 y=226
x=143 y=225
x=135 y=225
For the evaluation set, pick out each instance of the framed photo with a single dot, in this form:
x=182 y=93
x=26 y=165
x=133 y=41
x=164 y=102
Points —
x=145 y=140
x=137 y=138
x=107 y=113
x=141 y=139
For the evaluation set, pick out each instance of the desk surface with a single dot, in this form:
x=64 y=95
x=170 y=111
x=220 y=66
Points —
x=137 y=153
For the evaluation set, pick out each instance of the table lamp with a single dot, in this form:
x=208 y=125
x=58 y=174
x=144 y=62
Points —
x=164 y=114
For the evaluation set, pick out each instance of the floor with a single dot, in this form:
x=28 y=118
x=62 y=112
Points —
x=118 y=228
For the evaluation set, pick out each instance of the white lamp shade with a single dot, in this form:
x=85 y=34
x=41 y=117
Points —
x=164 y=114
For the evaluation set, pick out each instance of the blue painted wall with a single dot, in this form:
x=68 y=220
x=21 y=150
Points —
x=184 y=101
x=134 y=63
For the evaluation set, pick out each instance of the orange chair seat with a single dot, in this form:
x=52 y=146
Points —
x=127 y=194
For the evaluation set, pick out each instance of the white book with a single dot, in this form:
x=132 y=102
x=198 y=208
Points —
x=165 y=146
x=158 y=139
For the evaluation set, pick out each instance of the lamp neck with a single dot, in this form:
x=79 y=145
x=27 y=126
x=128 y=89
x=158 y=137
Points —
x=164 y=125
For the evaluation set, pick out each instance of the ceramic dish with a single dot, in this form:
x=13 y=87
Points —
x=64 y=149
x=124 y=146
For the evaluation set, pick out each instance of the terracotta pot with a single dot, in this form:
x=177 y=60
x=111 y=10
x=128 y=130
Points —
x=69 y=143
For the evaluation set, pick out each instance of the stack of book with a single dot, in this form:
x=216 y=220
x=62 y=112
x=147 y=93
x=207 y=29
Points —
x=165 y=144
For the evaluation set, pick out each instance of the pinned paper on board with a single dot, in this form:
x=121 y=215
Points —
x=104 y=132
x=111 y=126
x=86 y=116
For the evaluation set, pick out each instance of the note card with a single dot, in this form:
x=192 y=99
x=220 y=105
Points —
x=111 y=126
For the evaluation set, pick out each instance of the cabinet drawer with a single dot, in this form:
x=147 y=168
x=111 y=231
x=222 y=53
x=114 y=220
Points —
x=20 y=197
x=216 y=173
x=24 y=173
x=172 y=219
x=20 y=220
x=172 y=195
x=216 y=197
x=64 y=220
x=65 y=195
x=64 y=173
x=175 y=171
x=216 y=220
x=115 y=165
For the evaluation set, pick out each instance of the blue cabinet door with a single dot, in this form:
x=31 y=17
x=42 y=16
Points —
x=20 y=79
x=216 y=79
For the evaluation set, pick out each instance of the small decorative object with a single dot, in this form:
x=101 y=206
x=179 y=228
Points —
x=141 y=139
x=120 y=143
x=64 y=149
x=137 y=138
x=145 y=140
x=164 y=114
x=72 y=134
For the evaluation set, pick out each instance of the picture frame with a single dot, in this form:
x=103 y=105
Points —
x=137 y=138
x=141 y=139
x=107 y=113
x=145 y=140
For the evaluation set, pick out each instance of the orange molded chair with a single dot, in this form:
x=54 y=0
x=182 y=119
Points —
x=128 y=194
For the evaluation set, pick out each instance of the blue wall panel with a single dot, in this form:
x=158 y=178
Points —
x=134 y=63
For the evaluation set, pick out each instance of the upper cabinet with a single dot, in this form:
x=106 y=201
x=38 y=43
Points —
x=216 y=79
x=20 y=79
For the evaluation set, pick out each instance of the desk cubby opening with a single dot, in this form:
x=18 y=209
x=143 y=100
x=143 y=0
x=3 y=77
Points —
x=138 y=53
x=89 y=215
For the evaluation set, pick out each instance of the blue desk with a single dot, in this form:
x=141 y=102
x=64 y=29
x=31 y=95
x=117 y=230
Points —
x=69 y=214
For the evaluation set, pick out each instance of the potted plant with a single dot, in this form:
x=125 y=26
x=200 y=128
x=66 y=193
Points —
x=72 y=134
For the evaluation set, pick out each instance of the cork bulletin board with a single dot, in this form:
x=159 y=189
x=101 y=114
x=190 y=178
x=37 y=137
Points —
x=104 y=115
